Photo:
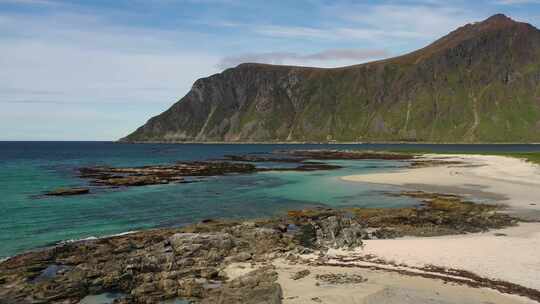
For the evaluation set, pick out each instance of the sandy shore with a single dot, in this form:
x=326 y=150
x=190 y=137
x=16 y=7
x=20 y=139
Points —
x=512 y=257
x=509 y=254
x=510 y=181
x=380 y=287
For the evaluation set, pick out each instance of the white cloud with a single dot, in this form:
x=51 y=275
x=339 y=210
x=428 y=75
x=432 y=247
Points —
x=337 y=33
x=328 y=58
x=98 y=76
x=293 y=31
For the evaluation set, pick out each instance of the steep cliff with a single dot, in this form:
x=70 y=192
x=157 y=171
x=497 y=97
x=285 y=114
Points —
x=480 y=83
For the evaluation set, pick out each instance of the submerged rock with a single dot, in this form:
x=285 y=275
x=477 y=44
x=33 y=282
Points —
x=161 y=174
x=347 y=154
x=132 y=181
x=68 y=191
x=261 y=159
x=307 y=166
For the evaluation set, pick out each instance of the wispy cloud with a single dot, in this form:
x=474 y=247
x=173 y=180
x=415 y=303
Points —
x=79 y=57
x=333 y=55
x=425 y=20
x=293 y=31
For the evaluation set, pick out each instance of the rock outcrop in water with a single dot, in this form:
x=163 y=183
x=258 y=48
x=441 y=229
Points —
x=194 y=171
x=480 y=83
x=68 y=191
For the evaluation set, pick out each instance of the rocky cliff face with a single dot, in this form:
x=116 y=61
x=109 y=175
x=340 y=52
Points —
x=480 y=83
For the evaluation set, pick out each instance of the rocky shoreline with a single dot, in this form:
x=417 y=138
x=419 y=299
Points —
x=188 y=263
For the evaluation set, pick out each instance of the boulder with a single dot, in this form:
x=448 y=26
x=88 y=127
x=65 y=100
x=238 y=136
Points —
x=256 y=287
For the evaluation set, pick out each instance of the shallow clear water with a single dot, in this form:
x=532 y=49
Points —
x=104 y=298
x=27 y=169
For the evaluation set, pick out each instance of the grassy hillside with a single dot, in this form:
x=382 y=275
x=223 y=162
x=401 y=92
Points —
x=480 y=83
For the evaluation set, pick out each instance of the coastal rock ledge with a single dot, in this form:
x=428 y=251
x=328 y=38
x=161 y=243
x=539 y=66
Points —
x=190 y=263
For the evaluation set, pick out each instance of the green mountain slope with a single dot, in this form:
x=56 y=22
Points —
x=480 y=83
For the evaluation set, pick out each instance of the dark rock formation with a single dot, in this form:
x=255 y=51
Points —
x=256 y=287
x=260 y=159
x=438 y=214
x=147 y=266
x=162 y=174
x=306 y=166
x=344 y=154
x=68 y=191
x=337 y=279
x=301 y=274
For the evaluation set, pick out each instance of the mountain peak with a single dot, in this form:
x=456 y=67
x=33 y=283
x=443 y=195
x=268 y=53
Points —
x=470 y=31
x=494 y=23
x=498 y=20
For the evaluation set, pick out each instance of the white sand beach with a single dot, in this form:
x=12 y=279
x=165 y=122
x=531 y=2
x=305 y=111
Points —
x=510 y=254
x=498 y=179
x=513 y=257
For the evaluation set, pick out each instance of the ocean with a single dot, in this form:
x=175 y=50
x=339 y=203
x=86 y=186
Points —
x=30 y=220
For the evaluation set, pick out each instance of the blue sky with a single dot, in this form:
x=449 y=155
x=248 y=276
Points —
x=96 y=70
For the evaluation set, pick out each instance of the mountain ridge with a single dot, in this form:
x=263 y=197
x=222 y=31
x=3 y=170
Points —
x=479 y=83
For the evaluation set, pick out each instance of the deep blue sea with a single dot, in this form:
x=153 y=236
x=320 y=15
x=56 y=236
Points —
x=30 y=220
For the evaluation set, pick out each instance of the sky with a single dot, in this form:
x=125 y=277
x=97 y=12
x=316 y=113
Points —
x=98 y=69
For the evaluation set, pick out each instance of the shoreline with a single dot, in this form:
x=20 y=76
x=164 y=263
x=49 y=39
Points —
x=509 y=181
x=323 y=142
x=498 y=254
x=154 y=259
x=496 y=266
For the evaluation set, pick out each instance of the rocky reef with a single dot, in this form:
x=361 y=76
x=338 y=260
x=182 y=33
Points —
x=194 y=171
x=188 y=263
x=347 y=154
x=161 y=174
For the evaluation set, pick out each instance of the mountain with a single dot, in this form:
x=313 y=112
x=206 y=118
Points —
x=480 y=83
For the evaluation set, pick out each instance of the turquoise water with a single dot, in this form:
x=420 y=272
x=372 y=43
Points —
x=30 y=220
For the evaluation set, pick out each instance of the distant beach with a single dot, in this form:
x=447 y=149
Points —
x=509 y=254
